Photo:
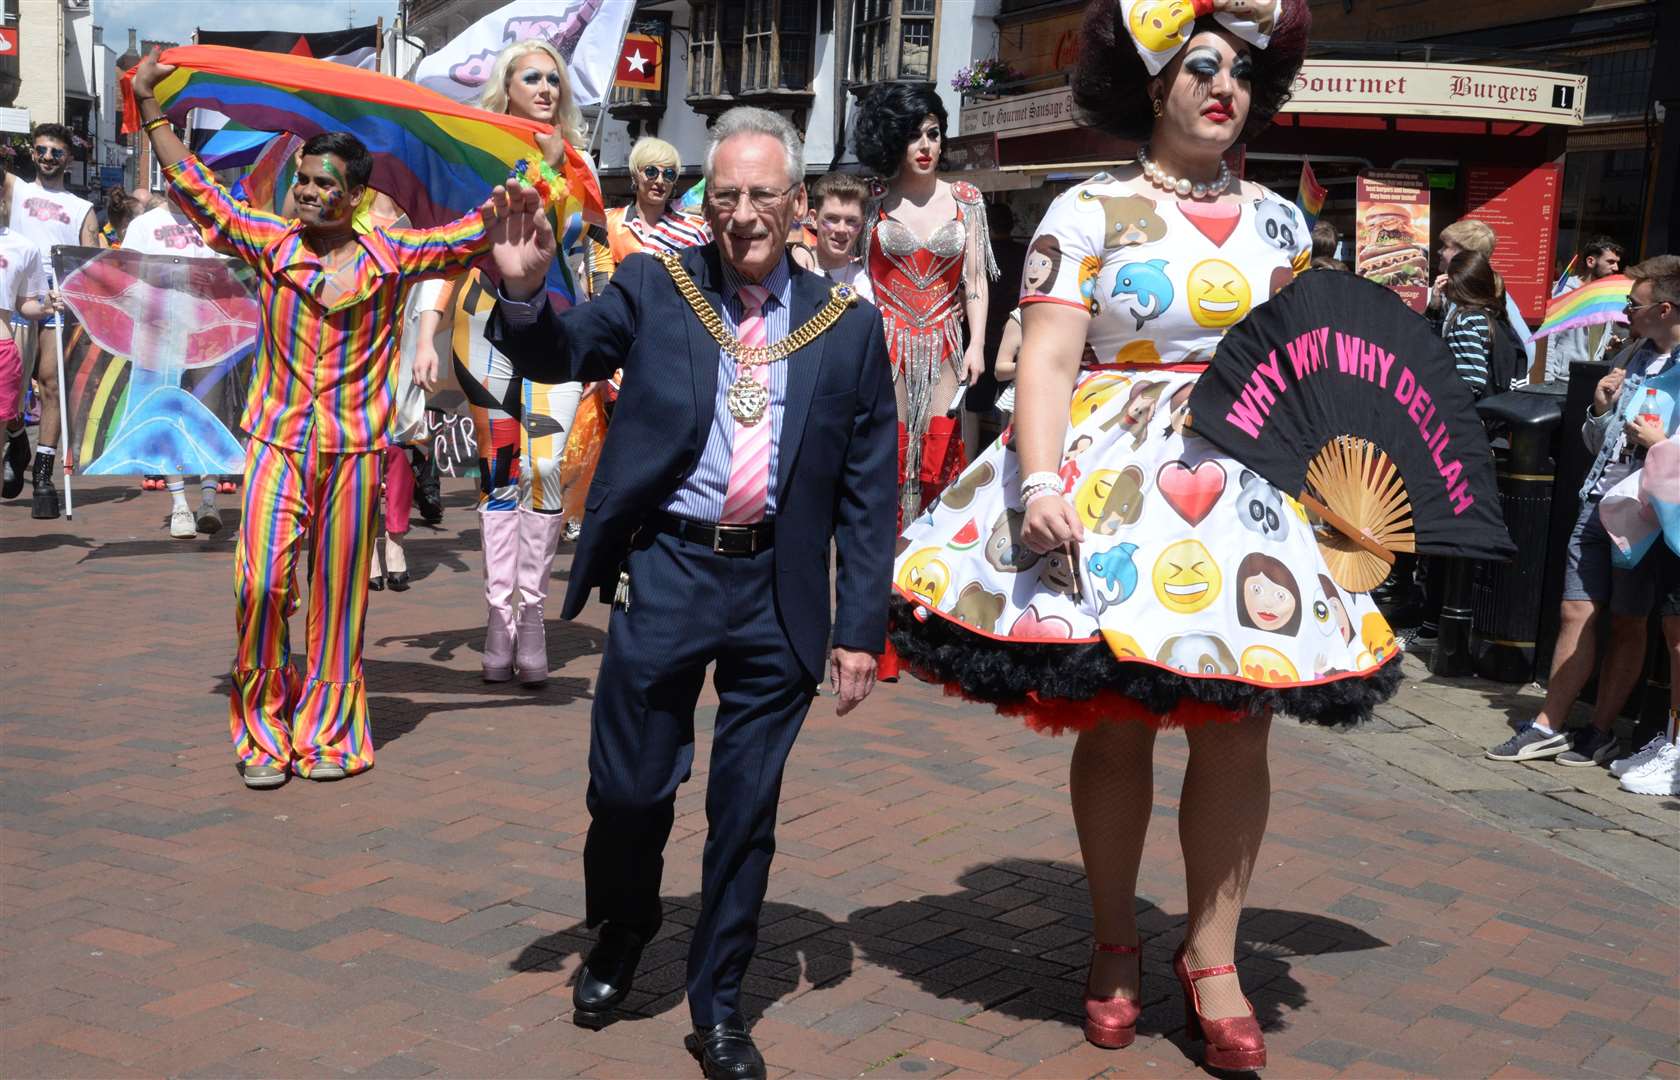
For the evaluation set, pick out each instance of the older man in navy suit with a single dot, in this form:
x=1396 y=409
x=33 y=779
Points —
x=755 y=426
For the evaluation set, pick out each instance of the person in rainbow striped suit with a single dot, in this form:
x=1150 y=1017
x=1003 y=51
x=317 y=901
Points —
x=318 y=414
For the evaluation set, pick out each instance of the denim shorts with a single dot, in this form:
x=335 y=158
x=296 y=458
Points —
x=1589 y=575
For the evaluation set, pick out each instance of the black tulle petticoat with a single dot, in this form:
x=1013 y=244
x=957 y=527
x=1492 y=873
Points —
x=1056 y=687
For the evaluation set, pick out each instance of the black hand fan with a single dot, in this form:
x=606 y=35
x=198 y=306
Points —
x=1335 y=389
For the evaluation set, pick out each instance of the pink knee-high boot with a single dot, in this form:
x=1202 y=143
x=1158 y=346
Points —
x=500 y=529
x=539 y=535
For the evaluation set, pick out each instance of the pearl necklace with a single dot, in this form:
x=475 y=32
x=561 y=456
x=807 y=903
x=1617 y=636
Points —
x=1177 y=185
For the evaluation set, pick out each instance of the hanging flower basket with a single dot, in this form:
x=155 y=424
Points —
x=983 y=77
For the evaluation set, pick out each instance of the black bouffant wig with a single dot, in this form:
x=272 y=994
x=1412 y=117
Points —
x=888 y=120
x=1111 y=85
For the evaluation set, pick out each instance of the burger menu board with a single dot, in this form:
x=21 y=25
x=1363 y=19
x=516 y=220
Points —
x=1392 y=244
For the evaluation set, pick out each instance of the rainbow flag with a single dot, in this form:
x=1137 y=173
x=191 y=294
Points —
x=437 y=158
x=1596 y=302
x=1310 y=196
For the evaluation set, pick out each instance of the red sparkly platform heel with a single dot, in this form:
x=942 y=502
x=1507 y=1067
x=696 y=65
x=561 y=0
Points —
x=1234 y=1043
x=1111 y=1022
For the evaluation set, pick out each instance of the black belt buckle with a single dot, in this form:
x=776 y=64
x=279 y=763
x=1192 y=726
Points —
x=735 y=540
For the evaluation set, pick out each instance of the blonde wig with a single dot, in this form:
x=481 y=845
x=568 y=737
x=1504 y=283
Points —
x=651 y=151
x=495 y=94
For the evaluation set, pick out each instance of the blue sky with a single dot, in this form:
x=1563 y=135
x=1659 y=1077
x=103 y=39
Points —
x=174 y=20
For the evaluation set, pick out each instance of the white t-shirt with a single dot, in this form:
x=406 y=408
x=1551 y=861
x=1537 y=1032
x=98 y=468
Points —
x=853 y=274
x=165 y=231
x=22 y=274
x=48 y=218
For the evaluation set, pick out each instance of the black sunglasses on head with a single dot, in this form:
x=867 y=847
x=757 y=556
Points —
x=654 y=172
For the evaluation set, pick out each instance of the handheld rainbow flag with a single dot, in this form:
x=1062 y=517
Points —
x=437 y=158
x=1596 y=302
x=1310 y=197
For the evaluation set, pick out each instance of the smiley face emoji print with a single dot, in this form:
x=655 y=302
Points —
x=1218 y=293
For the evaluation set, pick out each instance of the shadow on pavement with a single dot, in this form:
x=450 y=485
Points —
x=796 y=947
x=567 y=641
x=1017 y=940
x=31 y=545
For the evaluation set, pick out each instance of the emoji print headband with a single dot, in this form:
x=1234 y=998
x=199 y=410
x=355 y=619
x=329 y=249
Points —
x=1159 y=28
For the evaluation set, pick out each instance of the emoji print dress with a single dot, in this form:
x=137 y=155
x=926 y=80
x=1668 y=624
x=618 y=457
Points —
x=1198 y=591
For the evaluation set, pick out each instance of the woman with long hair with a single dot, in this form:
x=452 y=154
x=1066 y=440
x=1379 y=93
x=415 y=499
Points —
x=929 y=257
x=1475 y=298
x=521 y=426
x=1157 y=583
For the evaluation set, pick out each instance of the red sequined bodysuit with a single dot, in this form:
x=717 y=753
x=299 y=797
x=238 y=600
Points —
x=919 y=289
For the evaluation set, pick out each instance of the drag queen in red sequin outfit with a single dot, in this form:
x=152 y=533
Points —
x=929 y=259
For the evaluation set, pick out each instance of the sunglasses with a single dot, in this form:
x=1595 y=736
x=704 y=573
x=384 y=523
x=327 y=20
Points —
x=532 y=78
x=654 y=172
x=51 y=153
x=1633 y=307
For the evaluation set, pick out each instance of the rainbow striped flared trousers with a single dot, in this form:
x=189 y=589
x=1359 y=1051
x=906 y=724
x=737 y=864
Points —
x=325 y=506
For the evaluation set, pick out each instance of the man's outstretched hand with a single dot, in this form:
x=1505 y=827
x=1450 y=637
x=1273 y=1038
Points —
x=522 y=240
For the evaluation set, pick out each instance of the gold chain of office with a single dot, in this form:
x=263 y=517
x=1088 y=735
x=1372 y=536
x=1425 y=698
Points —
x=840 y=297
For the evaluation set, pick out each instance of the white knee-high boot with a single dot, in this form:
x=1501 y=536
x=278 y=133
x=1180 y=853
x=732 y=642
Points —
x=500 y=529
x=539 y=535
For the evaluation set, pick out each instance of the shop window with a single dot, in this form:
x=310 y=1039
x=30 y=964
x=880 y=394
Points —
x=741 y=48
x=893 y=39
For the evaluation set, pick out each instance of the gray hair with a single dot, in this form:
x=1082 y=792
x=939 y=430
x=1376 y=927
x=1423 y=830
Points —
x=747 y=120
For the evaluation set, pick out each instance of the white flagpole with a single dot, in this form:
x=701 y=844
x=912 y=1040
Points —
x=63 y=419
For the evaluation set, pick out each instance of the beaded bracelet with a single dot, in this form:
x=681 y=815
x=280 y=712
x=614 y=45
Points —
x=1033 y=491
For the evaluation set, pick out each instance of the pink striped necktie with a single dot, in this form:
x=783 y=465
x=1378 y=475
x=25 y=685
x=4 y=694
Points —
x=749 y=463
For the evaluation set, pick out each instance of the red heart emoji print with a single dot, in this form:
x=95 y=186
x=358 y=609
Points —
x=1191 y=490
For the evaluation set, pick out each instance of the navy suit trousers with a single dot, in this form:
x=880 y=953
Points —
x=690 y=608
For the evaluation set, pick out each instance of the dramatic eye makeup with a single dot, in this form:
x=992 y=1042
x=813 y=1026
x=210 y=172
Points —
x=1203 y=63
x=1243 y=68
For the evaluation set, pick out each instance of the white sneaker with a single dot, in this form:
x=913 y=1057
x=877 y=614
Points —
x=181 y=524
x=1659 y=776
x=1623 y=766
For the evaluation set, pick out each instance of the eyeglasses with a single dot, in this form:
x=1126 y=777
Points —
x=52 y=153
x=532 y=78
x=654 y=172
x=1633 y=307
x=761 y=198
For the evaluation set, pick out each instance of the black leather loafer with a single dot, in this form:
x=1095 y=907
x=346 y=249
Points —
x=605 y=979
x=726 y=1052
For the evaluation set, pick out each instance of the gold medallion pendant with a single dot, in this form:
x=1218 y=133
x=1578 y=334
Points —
x=747 y=400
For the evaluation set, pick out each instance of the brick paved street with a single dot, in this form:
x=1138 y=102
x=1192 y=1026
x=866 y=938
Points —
x=1417 y=910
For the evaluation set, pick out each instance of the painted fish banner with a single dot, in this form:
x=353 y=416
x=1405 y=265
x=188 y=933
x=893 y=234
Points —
x=157 y=360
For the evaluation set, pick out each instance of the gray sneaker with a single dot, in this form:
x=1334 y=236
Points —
x=1530 y=744
x=1591 y=747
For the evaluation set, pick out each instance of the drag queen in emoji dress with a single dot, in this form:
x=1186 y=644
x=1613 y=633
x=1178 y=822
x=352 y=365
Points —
x=1103 y=570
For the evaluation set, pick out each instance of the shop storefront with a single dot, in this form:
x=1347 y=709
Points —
x=1485 y=139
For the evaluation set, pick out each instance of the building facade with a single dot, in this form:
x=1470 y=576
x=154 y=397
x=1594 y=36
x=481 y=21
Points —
x=807 y=59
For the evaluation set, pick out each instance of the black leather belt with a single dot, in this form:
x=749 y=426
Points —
x=737 y=540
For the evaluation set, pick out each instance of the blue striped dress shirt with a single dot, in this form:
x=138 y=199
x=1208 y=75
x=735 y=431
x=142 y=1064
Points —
x=700 y=496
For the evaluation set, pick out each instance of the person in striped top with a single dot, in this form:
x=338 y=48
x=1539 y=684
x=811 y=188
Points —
x=318 y=412
x=1474 y=297
x=652 y=222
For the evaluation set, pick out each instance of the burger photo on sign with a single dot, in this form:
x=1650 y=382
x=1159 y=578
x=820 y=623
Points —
x=1389 y=250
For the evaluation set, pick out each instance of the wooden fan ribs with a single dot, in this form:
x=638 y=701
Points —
x=1357 y=489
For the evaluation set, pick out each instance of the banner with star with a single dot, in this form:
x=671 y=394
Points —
x=641 y=63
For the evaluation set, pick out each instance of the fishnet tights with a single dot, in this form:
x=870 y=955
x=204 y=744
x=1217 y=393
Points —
x=1221 y=822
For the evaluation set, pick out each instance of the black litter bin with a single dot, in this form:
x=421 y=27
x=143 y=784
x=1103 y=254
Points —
x=1507 y=597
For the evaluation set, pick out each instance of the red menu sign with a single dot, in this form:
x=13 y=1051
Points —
x=1521 y=205
x=1391 y=245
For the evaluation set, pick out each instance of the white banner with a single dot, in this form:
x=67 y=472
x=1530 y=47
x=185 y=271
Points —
x=587 y=33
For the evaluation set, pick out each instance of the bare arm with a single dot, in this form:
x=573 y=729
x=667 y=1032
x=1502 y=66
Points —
x=1053 y=339
x=1009 y=351
x=90 y=232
